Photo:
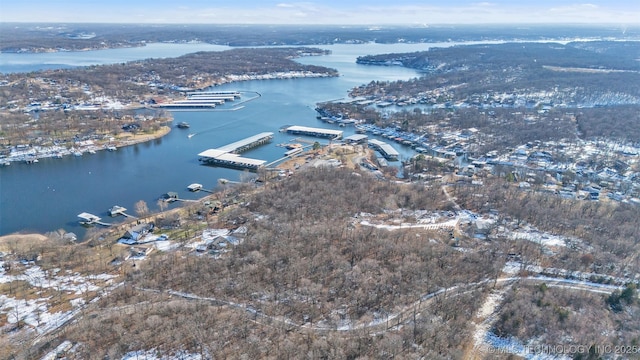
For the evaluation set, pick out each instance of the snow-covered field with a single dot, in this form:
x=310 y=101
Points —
x=35 y=312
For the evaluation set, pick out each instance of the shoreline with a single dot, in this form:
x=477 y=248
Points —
x=35 y=154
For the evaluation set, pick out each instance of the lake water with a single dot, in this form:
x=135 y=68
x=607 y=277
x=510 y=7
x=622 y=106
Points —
x=48 y=195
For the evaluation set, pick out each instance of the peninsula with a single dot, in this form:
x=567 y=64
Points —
x=55 y=112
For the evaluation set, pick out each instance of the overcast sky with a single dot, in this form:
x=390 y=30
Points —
x=341 y=12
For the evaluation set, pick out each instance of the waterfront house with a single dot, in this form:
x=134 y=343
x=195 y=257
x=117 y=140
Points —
x=135 y=234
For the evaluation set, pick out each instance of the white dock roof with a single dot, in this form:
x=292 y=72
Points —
x=88 y=217
x=212 y=153
x=237 y=159
x=244 y=142
x=388 y=149
x=306 y=129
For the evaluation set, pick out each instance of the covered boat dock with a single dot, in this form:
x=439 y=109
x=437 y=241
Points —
x=317 y=132
x=228 y=155
x=385 y=149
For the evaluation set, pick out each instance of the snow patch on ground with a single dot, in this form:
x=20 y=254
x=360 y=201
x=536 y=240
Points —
x=37 y=277
x=35 y=313
x=486 y=316
x=155 y=355
x=449 y=224
x=532 y=234
x=511 y=267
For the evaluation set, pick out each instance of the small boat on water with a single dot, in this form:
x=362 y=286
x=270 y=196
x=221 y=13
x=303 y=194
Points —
x=183 y=125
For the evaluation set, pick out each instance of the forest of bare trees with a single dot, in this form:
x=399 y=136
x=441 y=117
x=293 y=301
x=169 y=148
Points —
x=307 y=280
x=609 y=230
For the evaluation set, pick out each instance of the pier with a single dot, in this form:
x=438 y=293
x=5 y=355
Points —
x=248 y=143
x=202 y=100
x=90 y=219
x=186 y=106
x=232 y=93
x=228 y=155
x=119 y=210
x=317 y=132
x=385 y=149
x=195 y=187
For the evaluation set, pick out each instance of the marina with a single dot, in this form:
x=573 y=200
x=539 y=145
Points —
x=228 y=155
x=146 y=170
x=201 y=100
x=316 y=132
x=384 y=149
x=248 y=143
x=234 y=94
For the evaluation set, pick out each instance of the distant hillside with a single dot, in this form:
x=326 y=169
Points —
x=21 y=37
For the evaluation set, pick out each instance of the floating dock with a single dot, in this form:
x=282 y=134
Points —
x=202 y=100
x=228 y=155
x=232 y=93
x=385 y=149
x=248 y=143
x=119 y=210
x=186 y=106
x=317 y=132
x=90 y=219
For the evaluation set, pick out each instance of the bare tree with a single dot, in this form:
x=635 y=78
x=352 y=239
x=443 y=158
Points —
x=141 y=208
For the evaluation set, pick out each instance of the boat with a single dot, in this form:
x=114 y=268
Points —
x=112 y=148
x=183 y=125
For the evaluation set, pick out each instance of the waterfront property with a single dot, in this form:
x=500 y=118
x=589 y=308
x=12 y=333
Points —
x=385 y=149
x=317 y=132
x=228 y=155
